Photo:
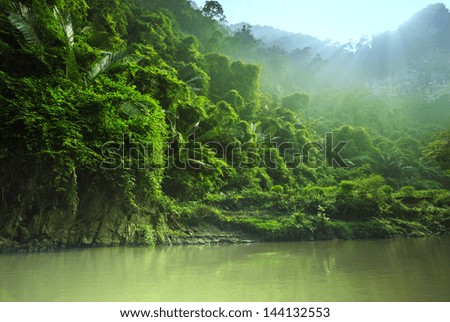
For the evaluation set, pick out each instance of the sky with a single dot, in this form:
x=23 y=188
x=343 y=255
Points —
x=338 y=20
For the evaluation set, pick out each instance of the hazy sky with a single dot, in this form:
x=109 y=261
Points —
x=339 y=20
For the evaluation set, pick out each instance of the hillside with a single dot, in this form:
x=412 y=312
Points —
x=150 y=122
x=288 y=41
x=414 y=58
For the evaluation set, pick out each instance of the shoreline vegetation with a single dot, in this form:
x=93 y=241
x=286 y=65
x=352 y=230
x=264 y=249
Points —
x=154 y=123
x=208 y=224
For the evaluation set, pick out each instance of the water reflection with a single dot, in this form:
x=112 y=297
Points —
x=386 y=270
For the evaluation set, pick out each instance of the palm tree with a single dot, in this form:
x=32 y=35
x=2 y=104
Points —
x=391 y=164
x=27 y=22
x=66 y=30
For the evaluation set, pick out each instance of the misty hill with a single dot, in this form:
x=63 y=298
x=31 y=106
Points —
x=421 y=40
x=414 y=57
x=430 y=26
x=288 y=41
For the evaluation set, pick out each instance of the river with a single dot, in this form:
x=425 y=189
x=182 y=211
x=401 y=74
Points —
x=375 y=270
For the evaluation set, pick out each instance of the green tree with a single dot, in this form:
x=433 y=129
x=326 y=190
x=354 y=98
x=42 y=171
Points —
x=245 y=35
x=363 y=198
x=439 y=151
x=245 y=79
x=219 y=69
x=214 y=10
x=188 y=50
x=296 y=102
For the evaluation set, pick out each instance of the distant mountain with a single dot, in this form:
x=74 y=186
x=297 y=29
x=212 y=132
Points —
x=276 y=37
x=194 y=5
x=413 y=58
x=291 y=42
x=431 y=24
x=416 y=56
x=418 y=40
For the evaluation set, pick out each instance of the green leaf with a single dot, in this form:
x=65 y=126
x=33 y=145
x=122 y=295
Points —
x=109 y=59
x=23 y=19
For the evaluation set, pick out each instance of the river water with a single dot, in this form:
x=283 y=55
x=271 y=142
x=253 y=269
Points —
x=376 y=270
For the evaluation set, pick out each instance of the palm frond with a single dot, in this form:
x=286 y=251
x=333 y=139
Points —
x=199 y=163
x=191 y=129
x=130 y=108
x=85 y=29
x=65 y=23
x=68 y=30
x=109 y=59
x=67 y=33
x=193 y=79
x=23 y=19
x=72 y=69
x=135 y=58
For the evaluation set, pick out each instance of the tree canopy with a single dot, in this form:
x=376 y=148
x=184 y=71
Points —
x=130 y=122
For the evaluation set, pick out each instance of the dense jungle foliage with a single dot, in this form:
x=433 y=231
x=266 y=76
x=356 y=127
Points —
x=138 y=122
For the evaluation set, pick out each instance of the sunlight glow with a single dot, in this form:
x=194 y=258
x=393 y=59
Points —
x=326 y=19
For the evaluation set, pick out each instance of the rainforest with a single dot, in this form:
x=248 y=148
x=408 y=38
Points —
x=157 y=122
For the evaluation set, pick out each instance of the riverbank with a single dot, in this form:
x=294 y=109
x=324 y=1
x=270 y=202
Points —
x=189 y=236
x=241 y=229
x=248 y=218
